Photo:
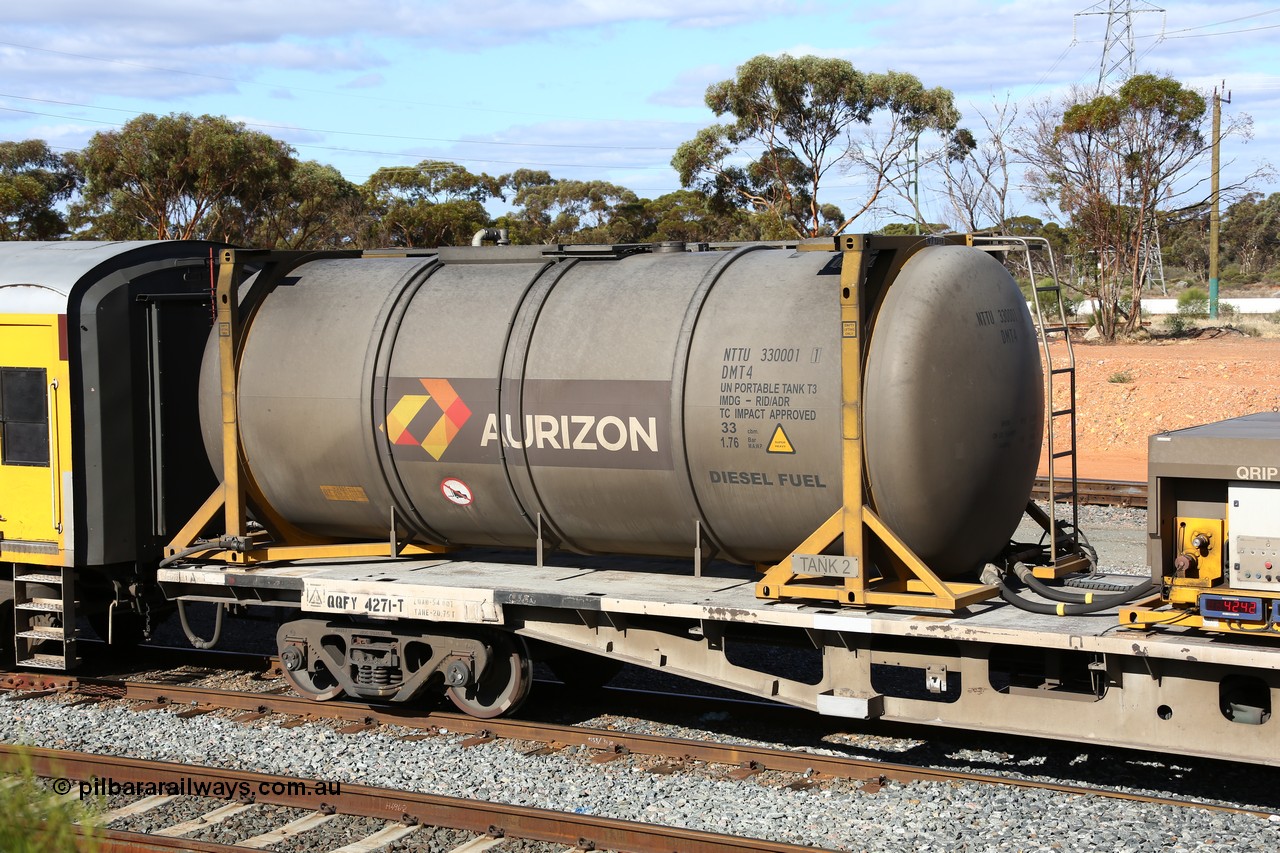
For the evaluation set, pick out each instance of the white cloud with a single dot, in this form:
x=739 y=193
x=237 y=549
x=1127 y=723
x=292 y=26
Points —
x=689 y=88
x=364 y=81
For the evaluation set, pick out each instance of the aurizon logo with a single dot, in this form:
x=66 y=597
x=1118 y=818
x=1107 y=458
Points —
x=453 y=414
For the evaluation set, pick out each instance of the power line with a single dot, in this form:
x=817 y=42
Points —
x=1228 y=32
x=241 y=81
x=524 y=163
x=480 y=159
x=1229 y=21
x=1162 y=36
x=360 y=133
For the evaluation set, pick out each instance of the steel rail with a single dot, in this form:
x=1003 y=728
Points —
x=749 y=759
x=495 y=819
x=1100 y=492
x=117 y=841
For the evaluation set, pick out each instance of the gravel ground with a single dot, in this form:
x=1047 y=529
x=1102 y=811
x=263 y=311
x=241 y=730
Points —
x=837 y=814
x=1117 y=533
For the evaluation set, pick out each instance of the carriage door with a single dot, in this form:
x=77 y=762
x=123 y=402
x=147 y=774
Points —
x=33 y=426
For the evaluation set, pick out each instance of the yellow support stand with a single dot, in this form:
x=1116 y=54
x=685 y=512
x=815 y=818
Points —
x=809 y=574
x=280 y=540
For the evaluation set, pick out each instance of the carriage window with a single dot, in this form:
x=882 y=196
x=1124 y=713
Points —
x=24 y=416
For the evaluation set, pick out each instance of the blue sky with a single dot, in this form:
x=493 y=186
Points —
x=581 y=88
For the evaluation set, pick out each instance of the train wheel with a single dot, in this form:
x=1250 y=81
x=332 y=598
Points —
x=320 y=686
x=503 y=685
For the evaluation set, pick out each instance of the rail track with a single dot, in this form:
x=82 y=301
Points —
x=404 y=812
x=1100 y=492
x=667 y=754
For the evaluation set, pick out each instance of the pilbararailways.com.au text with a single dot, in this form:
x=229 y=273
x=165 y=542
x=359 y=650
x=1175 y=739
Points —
x=188 y=787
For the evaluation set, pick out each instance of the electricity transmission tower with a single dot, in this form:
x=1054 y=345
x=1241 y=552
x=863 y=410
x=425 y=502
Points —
x=1117 y=48
x=1119 y=63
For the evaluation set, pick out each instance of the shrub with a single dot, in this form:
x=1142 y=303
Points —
x=1122 y=377
x=33 y=819
x=1193 y=302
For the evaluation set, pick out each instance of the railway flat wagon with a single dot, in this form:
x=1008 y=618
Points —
x=792 y=470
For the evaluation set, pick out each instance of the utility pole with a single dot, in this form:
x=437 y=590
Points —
x=1218 y=101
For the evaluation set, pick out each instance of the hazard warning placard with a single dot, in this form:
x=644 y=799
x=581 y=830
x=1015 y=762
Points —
x=779 y=443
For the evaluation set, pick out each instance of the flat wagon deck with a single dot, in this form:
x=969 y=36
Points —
x=989 y=667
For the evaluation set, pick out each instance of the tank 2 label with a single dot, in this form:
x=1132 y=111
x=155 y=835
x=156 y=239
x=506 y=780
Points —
x=824 y=564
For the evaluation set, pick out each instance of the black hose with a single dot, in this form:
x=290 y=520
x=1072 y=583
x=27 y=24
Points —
x=187 y=552
x=1045 y=591
x=1063 y=608
x=196 y=641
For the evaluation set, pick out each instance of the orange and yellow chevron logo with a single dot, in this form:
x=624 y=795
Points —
x=453 y=414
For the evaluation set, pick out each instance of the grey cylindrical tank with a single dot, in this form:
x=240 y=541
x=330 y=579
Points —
x=621 y=401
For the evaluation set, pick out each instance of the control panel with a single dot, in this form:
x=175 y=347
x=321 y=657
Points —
x=1253 y=524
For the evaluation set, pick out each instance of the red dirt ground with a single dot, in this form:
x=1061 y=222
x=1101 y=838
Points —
x=1169 y=385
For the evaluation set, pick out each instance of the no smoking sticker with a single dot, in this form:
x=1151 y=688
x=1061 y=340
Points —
x=456 y=491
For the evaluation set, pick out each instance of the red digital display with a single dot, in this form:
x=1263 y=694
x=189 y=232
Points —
x=1232 y=607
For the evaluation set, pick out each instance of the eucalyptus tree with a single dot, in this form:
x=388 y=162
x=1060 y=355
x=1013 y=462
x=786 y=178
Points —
x=1114 y=164
x=178 y=177
x=435 y=203
x=794 y=120
x=34 y=181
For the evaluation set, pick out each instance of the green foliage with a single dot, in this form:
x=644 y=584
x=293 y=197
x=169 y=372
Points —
x=318 y=209
x=694 y=217
x=1122 y=377
x=1176 y=323
x=1109 y=163
x=434 y=203
x=909 y=229
x=1161 y=103
x=1251 y=236
x=179 y=177
x=1193 y=303
x=552 y=211
x=800 y=113
x=1185 y=245
x=1231 y=274
x=34 y=820
x=33 y=181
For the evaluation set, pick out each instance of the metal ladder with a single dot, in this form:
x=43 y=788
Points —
x=1064 y=487
x=59 y=643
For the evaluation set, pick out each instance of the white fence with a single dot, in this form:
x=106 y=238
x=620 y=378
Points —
x=1156 y=307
